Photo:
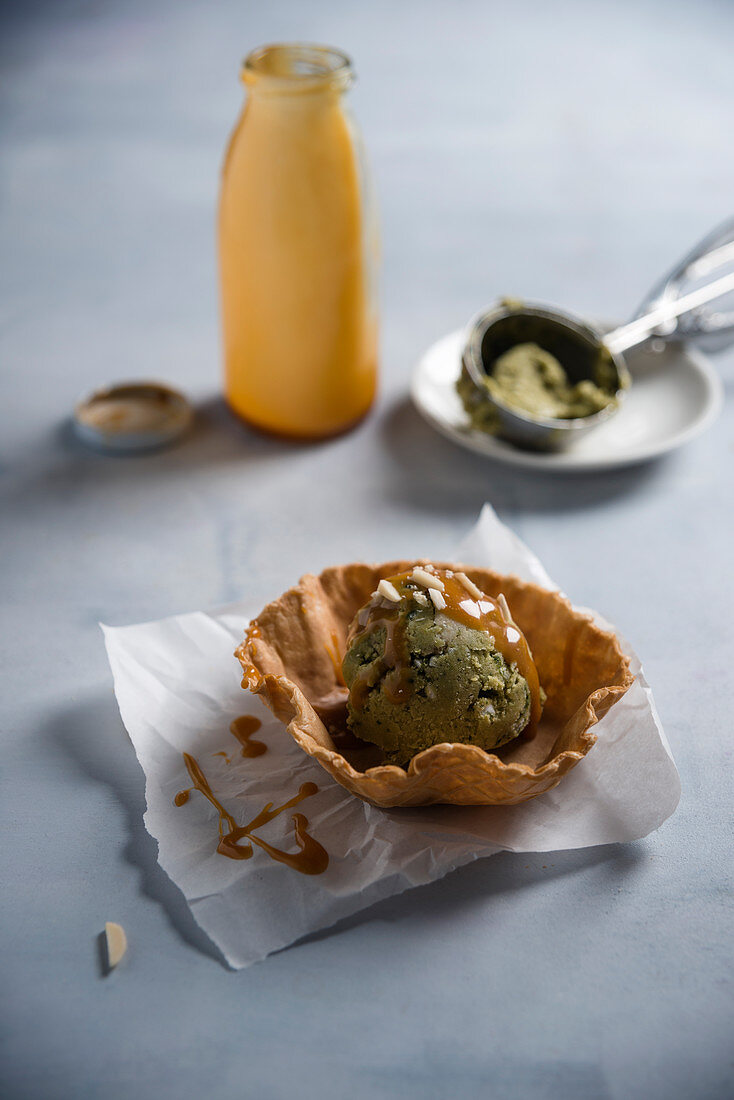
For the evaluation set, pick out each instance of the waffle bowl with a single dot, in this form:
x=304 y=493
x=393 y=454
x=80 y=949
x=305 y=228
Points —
x=292 y=653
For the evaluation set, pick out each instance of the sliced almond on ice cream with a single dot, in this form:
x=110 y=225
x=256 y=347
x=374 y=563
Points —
x=389 y=591
x=428 y=580
x=469 y=585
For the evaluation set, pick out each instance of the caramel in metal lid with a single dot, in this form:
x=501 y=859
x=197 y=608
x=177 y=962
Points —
x=132 y=416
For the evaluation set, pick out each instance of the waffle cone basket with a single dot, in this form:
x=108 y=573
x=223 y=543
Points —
x=292 y=655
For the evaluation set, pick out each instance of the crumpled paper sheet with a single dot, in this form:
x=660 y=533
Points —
x=178 y=688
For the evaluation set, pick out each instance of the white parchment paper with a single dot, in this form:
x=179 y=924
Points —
x=178 y=688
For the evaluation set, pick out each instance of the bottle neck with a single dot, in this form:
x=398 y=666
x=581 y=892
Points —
x=298 y=72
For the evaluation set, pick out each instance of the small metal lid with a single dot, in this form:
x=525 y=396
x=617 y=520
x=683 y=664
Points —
x=132 y=416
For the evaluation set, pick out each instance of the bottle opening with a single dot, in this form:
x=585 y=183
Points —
x=293 y=66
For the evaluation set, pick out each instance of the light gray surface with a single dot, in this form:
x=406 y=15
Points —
x=567 y=152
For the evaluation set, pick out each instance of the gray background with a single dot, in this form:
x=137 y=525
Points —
x=564 y=151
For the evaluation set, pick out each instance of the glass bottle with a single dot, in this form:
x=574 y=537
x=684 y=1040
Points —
x=297 y=249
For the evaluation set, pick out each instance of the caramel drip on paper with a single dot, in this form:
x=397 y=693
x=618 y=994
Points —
x=311 y=859
x=243 y=728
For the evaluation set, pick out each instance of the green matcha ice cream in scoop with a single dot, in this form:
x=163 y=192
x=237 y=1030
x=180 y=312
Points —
x=431 y=659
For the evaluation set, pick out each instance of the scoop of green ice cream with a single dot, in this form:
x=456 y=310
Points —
x=531 y=380
x=452 y=685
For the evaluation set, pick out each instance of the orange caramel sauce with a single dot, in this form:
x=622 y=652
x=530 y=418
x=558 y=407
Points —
x=243 y=728
x=251 y=677
x=332 y=648
x=299 y=326
x=478 y=613
x=311 y=858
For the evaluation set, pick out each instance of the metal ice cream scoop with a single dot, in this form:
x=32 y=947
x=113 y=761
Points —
x=694 y=303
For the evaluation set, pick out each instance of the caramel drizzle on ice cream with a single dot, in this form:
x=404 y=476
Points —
x=394 y=664
x=453 y=595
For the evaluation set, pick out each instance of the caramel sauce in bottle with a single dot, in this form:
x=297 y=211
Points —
x=297 y=249
x=476 y=612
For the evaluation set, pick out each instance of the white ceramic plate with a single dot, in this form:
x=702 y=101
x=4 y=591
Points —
x=675 y=395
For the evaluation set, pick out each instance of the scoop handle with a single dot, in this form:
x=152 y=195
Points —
x=659 y=319
x=688 y=303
